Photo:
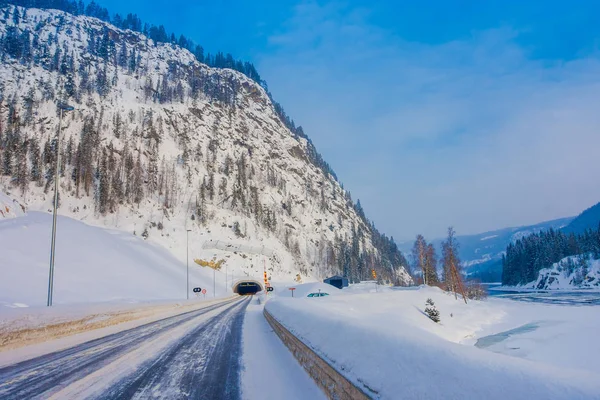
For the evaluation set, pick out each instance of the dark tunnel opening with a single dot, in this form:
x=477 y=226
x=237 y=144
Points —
x=248 y=288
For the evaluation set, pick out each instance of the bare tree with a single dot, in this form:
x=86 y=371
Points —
x=418 y=253
x=451 y=264
x=431 y=262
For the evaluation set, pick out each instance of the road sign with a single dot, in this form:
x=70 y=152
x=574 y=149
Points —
x=203 y=291
x=197 y=290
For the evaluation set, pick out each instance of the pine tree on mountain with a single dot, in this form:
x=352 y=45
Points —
x=7 y=158
x=15 y=16
x=117 y=194
x=162 y=177
x=167 y=196
x=117 y=125
x=132 y=63
x=55 y=62
x=127 y=173
x=80 y=7
x=323 y=202
x=104 y=47
x=63 y=68
x=359 y=210
x=227 y=165
x=49 y=157
x=223 y=189
x=35 y=160
x=235 y=194
x=201 y=203
x=123 y=55
x=102 y=81
x=153 y=171
x=210 y=187
x=21 y=177
x=137 y=187
x=26 y=50
x=28 y=105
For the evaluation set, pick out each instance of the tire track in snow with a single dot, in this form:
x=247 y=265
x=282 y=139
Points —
x=204 y=364
x=44 y=375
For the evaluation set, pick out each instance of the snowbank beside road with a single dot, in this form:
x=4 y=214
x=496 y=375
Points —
x=304 y=289
x=270 y=371
x=92 y=265
x=386 y=345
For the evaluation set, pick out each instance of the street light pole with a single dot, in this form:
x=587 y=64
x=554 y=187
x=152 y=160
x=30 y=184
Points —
x=62 y=107
x=187 y=262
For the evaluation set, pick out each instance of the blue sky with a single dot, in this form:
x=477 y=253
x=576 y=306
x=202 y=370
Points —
x=475 y=114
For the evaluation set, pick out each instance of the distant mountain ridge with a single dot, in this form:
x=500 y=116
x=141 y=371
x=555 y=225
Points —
x=481 y=253
x=588 y=219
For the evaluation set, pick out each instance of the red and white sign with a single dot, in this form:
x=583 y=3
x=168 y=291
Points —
x=203 y=291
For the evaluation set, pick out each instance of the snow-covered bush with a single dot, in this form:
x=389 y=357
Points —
x=431 y=311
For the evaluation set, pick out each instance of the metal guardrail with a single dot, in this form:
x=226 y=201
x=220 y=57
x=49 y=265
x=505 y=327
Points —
x=334 y=384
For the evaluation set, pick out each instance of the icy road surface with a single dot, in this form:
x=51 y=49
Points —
x=192 y=355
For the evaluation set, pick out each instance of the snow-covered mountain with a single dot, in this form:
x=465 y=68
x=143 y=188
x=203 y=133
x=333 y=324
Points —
x=159 y=144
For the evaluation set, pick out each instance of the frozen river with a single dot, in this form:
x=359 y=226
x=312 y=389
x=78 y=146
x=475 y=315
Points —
x=574 y=298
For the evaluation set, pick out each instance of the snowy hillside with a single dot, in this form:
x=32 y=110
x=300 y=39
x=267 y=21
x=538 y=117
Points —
x=92 y=265
x=10 y=208
x=159 y=144
x=575 y=272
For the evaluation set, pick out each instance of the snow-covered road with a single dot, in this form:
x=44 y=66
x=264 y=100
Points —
x=193 y=355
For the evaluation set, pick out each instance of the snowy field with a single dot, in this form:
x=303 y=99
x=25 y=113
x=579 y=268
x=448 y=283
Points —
x=384 y=342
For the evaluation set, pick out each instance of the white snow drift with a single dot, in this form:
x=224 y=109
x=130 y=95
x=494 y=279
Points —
x=386 y=345
x=92 y=265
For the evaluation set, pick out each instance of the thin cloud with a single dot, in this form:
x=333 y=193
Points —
x=469 y=133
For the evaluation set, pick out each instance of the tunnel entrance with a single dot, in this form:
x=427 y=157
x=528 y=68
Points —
x=247 y=287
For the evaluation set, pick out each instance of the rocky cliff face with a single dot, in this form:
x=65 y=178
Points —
x=159 y=144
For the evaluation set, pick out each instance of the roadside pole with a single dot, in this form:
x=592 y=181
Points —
x=63 y=107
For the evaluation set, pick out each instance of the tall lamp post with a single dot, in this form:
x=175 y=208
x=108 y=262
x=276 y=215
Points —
x=62 y=107
x=187 y=261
